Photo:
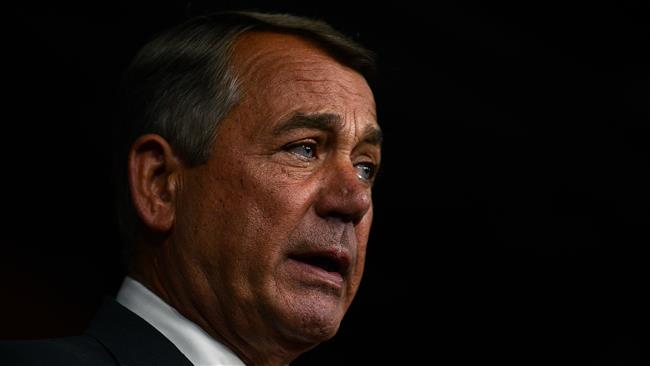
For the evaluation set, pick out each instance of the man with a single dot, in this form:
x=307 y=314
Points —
x=250 y=148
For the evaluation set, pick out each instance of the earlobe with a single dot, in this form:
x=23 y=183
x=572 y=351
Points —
x=153 y=173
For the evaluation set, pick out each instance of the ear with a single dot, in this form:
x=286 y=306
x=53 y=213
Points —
x=154 y=174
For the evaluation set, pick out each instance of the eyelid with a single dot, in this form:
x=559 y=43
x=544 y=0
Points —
x=370 y=151
x=368 y=156
x=306 y=141
x=311 y=143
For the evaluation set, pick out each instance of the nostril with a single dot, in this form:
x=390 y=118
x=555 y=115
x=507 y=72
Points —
x=347 y=217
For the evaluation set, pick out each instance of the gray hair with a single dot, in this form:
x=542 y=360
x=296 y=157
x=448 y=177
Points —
x=180 y=85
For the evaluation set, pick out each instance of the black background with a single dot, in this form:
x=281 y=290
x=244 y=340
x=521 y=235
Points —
x=512 y=211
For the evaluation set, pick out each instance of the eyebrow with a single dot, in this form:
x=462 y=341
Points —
x=320 y=121
x=373 y=135
x=327 y=122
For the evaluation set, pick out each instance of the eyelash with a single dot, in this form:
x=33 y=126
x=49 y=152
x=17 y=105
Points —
x=308 y=144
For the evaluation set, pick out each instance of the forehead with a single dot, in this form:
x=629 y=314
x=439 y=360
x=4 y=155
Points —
x=287 y=74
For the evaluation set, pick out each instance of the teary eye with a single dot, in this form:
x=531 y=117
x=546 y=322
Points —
x=303 y=149
x=366 y=171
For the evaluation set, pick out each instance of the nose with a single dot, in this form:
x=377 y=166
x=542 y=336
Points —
x=343 y=194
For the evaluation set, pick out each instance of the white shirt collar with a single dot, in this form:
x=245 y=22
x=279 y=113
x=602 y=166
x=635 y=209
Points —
x=189 y=338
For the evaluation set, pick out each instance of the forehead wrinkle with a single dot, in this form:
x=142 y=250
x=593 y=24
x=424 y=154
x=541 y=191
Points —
x=283 y=70
x=296 y=60
x=259 y=58
x=315 y=79
x=257 y=67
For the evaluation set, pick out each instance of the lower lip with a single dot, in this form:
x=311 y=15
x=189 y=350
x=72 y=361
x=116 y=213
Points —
x=308 y=273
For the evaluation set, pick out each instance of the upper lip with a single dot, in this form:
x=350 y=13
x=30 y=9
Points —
x=331 y=260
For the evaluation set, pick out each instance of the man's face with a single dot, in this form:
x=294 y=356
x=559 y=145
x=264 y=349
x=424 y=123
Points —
x=271 y=233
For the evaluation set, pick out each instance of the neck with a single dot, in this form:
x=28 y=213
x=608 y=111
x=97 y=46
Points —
x=196 y=301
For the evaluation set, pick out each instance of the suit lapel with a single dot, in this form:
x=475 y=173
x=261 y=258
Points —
x=131 y=340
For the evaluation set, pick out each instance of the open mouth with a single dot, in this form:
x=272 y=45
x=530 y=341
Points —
x=332 y=262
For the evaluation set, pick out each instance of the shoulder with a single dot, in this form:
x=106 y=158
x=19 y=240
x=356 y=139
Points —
x=72 y=351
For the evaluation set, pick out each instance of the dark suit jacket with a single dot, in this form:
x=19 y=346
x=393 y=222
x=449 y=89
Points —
x=116 y=336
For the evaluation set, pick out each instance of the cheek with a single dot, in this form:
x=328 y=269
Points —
x=269 y=208
x=243 y=220
x=362 y=231
x=278 y=201
x=203 y=227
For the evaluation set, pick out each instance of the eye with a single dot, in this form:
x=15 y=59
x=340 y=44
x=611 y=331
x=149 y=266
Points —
x=305 y=150
x=366 y=171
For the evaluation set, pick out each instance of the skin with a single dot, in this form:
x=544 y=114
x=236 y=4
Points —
x=290 y=175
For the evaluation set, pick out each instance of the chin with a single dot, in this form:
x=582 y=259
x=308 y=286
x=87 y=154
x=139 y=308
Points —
x=312 y=322
x=320 y=330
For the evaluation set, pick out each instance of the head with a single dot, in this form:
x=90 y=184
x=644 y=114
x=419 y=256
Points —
x=251 y=154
